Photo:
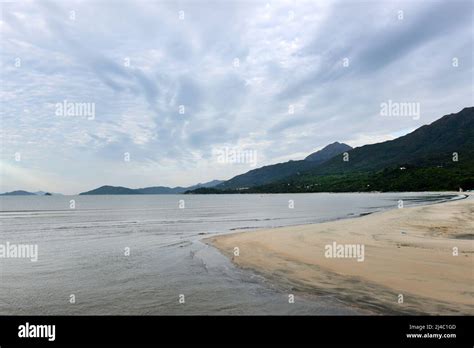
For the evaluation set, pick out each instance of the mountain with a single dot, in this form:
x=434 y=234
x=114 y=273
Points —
x=111 y=190
x=328 y=152
x=159 y=190
x=275 y=172
x=18 y=193
x=208 y=184
x=429 y=145
x=154 y=190
x=434 y=157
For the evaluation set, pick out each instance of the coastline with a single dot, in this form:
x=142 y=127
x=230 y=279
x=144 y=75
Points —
x=406 y=251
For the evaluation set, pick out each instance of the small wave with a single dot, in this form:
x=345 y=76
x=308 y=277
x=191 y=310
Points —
x=180 y=244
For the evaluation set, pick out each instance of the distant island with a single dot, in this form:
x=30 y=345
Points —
x=18 y=193
x=26 y=193
x=155 y=190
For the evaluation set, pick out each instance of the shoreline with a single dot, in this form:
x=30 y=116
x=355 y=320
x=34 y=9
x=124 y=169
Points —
x=408 y=252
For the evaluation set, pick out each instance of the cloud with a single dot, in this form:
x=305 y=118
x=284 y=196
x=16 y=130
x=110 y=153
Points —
x=236 y=67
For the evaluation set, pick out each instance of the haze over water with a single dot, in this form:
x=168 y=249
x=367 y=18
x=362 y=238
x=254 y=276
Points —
x=81 y=252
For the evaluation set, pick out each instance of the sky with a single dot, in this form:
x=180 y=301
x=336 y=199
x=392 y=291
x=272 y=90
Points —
x=153 y=93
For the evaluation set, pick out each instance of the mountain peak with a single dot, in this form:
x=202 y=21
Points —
x=328 y=152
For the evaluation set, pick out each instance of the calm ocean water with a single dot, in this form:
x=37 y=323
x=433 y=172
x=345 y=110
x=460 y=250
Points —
x=81 y=251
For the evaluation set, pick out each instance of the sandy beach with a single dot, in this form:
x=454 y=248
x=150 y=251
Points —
x=416 y=260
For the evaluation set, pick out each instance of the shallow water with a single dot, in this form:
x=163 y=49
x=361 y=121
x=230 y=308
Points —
x=81 y=251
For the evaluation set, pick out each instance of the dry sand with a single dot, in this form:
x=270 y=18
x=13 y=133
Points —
x=408 y=251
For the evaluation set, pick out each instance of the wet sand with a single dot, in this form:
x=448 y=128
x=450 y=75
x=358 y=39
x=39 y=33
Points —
x=408 y=252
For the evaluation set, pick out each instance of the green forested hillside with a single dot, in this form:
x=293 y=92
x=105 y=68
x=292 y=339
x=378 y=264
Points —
x=434 y=157
x=275 y=172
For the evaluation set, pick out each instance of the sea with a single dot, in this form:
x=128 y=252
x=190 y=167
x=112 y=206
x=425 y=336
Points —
x=145 y=254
